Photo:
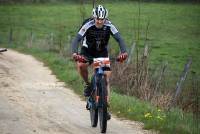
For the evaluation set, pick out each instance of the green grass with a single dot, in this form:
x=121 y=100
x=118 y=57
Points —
x=174 y=121
x=173 y=35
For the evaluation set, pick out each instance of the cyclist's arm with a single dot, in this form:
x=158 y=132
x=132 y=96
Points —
x=75 y=43
x=115 y=33
x=80 y=36
x=120 y=41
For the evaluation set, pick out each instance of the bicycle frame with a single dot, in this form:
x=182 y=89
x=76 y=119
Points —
x=97 y=102
x=99 y=74
x=98 y=66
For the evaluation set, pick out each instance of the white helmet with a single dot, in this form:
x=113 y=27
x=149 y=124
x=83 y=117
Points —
x=100 y=12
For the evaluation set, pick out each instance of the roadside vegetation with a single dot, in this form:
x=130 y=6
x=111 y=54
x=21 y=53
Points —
x=165 y=37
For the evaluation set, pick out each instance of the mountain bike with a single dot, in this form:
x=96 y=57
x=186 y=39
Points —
x=97 y=102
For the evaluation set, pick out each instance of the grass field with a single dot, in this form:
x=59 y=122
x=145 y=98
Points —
x=173 y=35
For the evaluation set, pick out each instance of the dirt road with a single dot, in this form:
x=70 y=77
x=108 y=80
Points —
x=33 y=101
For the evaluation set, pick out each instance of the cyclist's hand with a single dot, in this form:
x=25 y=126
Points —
x=78 y=58
x=122 y=57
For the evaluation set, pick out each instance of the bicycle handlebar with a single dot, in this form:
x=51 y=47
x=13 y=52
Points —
x=87 y=60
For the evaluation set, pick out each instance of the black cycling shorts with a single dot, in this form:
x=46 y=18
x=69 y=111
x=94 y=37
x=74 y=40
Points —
x=89 y=54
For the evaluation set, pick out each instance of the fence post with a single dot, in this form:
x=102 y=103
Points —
x=146 y=48
x=60 y=45
x=10 y=38
x=160 y=78
x=196 y=109
x=93 y=3
x=82 y=10
x=180 y=82
x=51 y=41
x=131 y=53
x=70 y=46
x=31 y=39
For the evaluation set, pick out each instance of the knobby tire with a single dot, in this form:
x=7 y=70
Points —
x=102 y=110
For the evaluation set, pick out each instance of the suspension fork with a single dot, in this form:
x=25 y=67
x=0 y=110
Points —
x=99 y=92
x=99 y=75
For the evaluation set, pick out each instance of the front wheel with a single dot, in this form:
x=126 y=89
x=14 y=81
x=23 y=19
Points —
x=103 y=119
x=93 y=108
x=94 y=116
x=102 y=109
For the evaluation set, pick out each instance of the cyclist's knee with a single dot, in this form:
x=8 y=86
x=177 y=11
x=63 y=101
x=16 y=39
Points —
x=82 y=66
x=108 y=74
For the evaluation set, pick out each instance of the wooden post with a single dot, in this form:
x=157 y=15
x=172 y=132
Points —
x=10 y=38
x=131 y=53
x=82 y=10
x=93 y=3
x=137 y=42
x=31 y=39
x=180 y=82
x=146 y=50
x=60 y=46
x=196 y=109
x=160 y=78
x=147 y=29
x=51 y=41
x=70 y=47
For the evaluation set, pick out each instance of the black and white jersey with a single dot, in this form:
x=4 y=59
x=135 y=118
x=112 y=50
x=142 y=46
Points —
x=96 y=39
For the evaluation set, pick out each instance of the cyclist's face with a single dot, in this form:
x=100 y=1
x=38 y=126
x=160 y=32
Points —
x=99 y=22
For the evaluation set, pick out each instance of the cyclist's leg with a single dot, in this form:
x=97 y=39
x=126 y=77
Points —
x=108 y=74
x=83 y=67
x=83 y=71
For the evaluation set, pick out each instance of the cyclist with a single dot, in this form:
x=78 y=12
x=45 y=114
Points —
x=95 y=33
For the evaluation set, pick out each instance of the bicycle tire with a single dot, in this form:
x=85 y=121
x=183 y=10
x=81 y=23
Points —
x=94 y=117
x=102 y=110
x=93 y=108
